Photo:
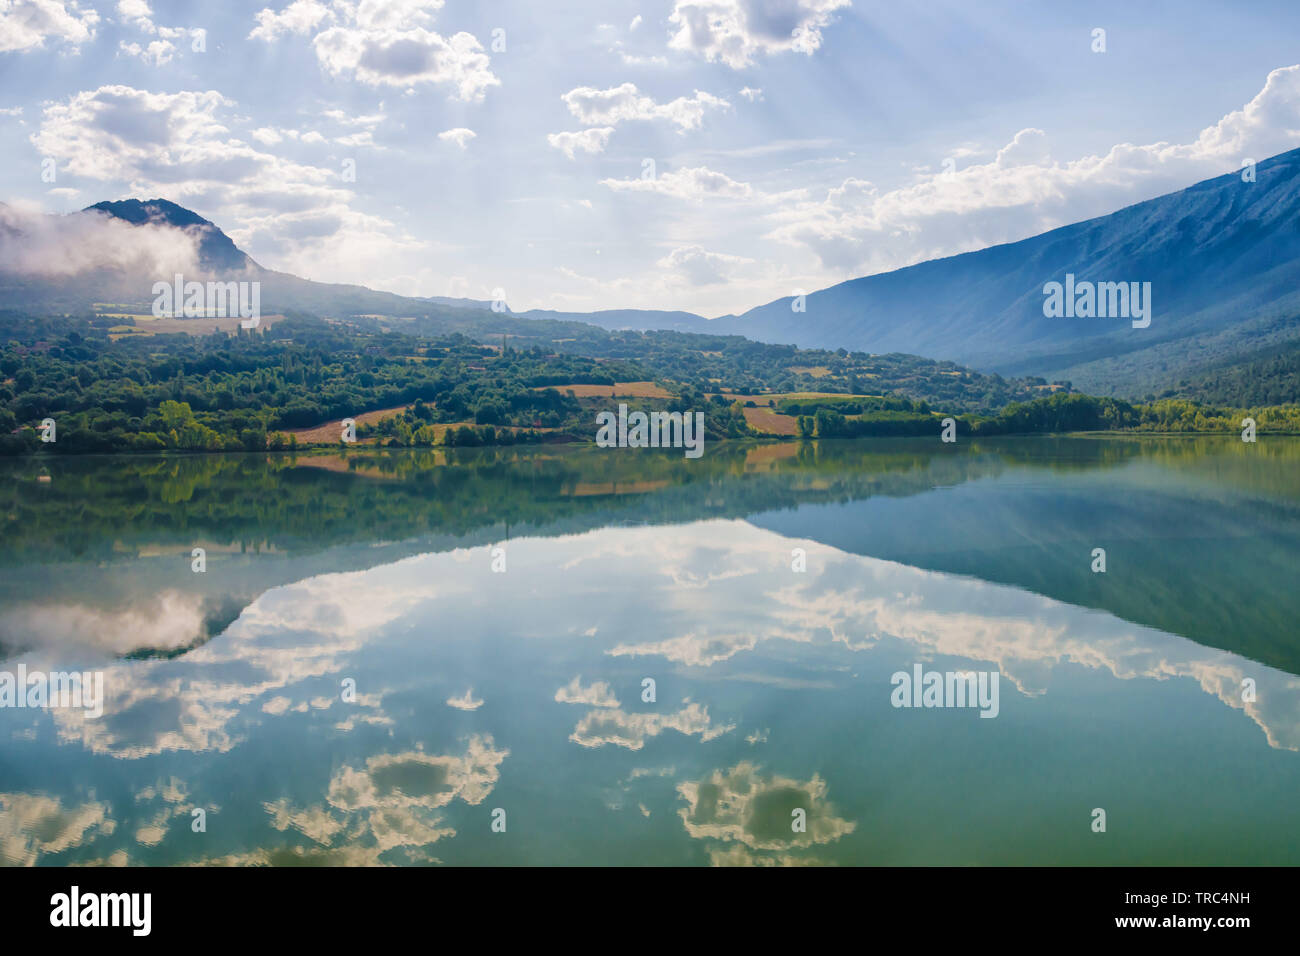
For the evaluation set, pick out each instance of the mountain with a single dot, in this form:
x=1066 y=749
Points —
x=1222 y=258
x=217 y=252
x=639 y=320
x=128 y=280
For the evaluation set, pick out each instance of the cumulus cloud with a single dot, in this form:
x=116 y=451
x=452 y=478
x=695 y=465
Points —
x=404 y=58
x=618 y=104
x=417 y=779
x=692 y=649
x=631 y=730
x=134 y=9
x=299 y=17
x=386 y=44
x=267 y=136
x=295 y=215
x=744 y=806
x=35 y=825
x=157 y=52
x=466 y=701
x=695 y=184
x=1029 y=147
x=734 y=31
x=28 y=24
x=697 y=266
x=392 y=803
x=599 y=694
x=138 y=14
x=118 y=132
x=316 y=823
x=460 y=136
x=859 y=228
x=591 y=140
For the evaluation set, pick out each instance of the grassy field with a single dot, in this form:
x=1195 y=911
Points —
x=146 y=324
x=331 y=432
x=776 y=397
x=617 y=390
x=769 y=422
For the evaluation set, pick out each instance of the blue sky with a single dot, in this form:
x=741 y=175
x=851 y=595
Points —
x=508 y=145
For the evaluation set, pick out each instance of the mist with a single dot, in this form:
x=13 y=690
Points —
x=37 y=243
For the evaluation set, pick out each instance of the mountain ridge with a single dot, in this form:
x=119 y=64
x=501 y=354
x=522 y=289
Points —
x=1222 y=257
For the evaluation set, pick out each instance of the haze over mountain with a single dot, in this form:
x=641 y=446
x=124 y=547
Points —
x=1222 y=257
x=68 y=263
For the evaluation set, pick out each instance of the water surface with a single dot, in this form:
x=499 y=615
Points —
x=1163 y=691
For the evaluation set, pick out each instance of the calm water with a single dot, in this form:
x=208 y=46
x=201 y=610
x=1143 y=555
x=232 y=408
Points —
x=521 y=690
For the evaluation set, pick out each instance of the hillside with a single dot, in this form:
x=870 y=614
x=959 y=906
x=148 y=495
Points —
x=1222 y=259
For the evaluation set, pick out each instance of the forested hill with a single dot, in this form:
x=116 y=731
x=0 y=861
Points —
x=111 y=383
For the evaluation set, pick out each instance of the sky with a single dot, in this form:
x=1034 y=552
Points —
x=705 y=155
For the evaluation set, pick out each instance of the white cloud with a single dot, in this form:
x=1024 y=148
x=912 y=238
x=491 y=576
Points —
x=631 y=730
x=752 y=94
x=599 y=694
x=695 y=184
x=121 y=133
x=632 y=59
x=134 y=9
x=390 y=44
x=466 y=701
x=636 y=22
x=405 y=58
x=137 y=14
x=617 y=104
x=591 y=140
x=693 y=649
x=460 y=136
x=35 y=825
x=361 y=138
x=1023 y=191
x=158 y=52
x=27 y=24
x=697 y=266
x=1028 y=148
x=733 y=31
x=295 y=216
x=66 y=245
x=267 y=136
x=741 y=805
x=470 y=777
x=393 y=801
x=368 y=120
x=301 y=17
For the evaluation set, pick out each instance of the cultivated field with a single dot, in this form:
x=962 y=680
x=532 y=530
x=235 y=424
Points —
x=617 y=390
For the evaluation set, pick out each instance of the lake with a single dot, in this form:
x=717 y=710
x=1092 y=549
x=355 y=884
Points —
x=572 y=655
